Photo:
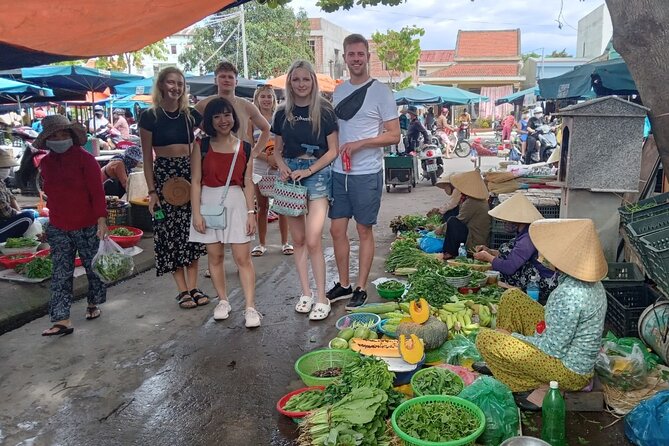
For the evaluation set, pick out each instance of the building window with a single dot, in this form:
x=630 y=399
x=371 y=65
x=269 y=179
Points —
x=336 y=51
x=422 y=73
x=173 y=49
x=312 y=45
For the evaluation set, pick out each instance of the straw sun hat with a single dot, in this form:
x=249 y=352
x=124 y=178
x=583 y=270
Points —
x=53 y=123
x=572 y=246
x=444 y=180
x=6 y=159
x=470 y=184
x=517 y=209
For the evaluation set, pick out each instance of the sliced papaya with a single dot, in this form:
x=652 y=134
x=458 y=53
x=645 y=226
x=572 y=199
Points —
x=419 y=311
x=411 y=349
x=383 y=348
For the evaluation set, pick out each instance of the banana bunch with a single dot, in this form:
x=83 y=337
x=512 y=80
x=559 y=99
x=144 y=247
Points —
x=394 y=319
x=482 y=313
x=458 y=318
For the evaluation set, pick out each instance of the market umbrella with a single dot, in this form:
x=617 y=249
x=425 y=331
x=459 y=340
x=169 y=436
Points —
x=325 y=83
x=518 y=96
x=577 y=84
x=199 y=86
x=139 y=86
x=453 y=95
x=613 y=78
x=414 y=95
x=76 y=78
x=17 y=92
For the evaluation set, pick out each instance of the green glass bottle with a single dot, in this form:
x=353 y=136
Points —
x=553 y=429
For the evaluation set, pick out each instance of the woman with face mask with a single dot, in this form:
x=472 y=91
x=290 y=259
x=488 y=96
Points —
x=77 y=216
x=517 y=261
x=13 y=221
x=115 y=173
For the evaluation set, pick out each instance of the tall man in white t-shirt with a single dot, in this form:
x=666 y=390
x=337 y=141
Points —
x=357 y=192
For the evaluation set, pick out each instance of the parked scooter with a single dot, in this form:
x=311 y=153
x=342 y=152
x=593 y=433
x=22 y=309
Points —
x=432 y=162
x=546 y=143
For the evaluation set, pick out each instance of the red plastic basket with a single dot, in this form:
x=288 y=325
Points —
x=129 y=241
x=284 y=399
x=10 y=263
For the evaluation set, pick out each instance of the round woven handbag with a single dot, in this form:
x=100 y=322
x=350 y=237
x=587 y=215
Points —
x=176 y=191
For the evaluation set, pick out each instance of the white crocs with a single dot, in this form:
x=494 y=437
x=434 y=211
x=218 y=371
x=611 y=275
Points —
x=320 y=311
x=305 y=304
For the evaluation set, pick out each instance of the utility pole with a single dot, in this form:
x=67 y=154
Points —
x=244 y=58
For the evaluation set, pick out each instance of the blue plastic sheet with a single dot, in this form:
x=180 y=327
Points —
x=648 y=423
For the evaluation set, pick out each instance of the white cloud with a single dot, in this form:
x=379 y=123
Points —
x=441 y=20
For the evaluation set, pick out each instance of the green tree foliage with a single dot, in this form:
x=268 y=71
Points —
x=275 y=37
x=562 y=53
x=531 y=54
x=334 y=5
x=399 y=50
x=128 y=61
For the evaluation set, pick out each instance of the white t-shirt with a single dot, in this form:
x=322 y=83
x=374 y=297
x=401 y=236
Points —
x=379 y=107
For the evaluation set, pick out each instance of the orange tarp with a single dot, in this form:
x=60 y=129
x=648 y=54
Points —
x=96 y=28
x=325 y=82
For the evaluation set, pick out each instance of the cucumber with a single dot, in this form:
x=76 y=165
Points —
x=379 y=308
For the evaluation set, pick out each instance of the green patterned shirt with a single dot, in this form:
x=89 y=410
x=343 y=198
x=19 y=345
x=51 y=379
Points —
x=574 y=315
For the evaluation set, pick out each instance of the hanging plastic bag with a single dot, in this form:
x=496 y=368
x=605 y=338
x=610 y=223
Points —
x=621 y=368
x=496 y=401
x=111 y=263
x=648 y=423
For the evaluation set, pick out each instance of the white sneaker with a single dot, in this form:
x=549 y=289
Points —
x=252 y=318
x=222 y=310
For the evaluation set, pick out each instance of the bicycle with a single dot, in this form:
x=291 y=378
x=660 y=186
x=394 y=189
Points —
x=461 y=147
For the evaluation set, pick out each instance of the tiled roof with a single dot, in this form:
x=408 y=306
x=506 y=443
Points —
x=501 y=43
x=436 y=56
x=478 y=70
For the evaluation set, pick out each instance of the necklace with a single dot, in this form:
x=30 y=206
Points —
x=168 y=116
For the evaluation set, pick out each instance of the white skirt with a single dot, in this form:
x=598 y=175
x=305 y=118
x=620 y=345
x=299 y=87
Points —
x=237 y=215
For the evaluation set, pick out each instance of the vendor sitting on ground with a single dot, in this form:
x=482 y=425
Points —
x=115 y=172
x=534 y=345
x=453 y=196
x=13 y=221
x=516 y=260
x=472 y=224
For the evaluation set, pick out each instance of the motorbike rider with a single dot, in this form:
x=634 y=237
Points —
x=120 y=123
x=444 y=129
x=533 y=125
x=464 y=120
x=99 y=123
x=415 y=129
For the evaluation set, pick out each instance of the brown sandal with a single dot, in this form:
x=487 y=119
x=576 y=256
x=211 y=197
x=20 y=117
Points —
x=199 y=297
x=186 y=301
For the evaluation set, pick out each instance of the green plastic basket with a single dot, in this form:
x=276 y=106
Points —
x=453 y=375
x=463 y=404
x=322 y=359
x=390 y=294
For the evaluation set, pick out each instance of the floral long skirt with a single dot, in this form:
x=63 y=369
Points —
x=170 y=236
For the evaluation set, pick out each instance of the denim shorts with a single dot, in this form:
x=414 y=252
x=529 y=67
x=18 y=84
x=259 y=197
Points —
x=318 y=184
x=357 y=196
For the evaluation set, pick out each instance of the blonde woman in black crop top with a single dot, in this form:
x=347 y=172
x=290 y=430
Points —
x=167 y=130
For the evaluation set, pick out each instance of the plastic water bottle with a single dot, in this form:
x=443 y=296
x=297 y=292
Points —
x=462 y=250
x=533 y=288
x=553 y=417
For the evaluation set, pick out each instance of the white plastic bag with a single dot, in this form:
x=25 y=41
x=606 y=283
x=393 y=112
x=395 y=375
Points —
x=111 y=263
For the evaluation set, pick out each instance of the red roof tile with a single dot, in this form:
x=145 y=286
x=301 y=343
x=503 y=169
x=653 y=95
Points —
x=500 y=43
x=436 y=56
x=478 y=70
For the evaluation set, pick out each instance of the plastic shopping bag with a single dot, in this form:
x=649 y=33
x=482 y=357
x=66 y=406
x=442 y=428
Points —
x=622 y=368
x=648 y=423
x=431 y=243
x=111 y=263
x=496 y=401
x=460 y=350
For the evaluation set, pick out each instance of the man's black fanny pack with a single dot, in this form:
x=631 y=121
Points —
x=351 y=104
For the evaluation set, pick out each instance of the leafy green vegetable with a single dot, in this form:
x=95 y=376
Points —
x=364 y=371
x=305 y=401
x=390 y=285
x=113 y=266
x=429 y=284
x=38 y=268
x=438 y=421
x=406 y=256
x=21 y=242
x=456 y=271
x=476 y=278
x=460 y=259
x=121 y=232
x=437 y=381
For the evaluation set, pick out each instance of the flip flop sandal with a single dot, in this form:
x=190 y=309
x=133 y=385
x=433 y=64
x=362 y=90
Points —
x=305 y=304
x=320 y=311
x=91 y=313
x=62 y=330
x=287 y=249
x=258 y=251
x=186 y=301
x=198 y=297
x=207 y=273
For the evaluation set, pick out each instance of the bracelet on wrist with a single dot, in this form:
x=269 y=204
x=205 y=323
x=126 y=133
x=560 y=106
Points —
x=252 y=212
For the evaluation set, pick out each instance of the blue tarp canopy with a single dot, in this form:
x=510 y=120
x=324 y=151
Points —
x=436 y=94
x=199 y=86
x=578 y=83
x=12 y=91
x=518 y=96
x=76 y=78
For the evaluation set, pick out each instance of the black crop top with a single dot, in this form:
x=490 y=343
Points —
x=299 y=139
x=169 y=128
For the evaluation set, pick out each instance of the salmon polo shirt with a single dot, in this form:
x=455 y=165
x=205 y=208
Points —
x=72 y=184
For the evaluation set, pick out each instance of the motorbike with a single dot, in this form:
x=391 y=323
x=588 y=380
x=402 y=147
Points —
x=432 y=163
x=546 y=144
x=463 y=130
x=21 y=138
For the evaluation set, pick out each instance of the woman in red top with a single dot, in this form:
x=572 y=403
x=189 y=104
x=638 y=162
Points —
x=211 y=162
x=77 y=216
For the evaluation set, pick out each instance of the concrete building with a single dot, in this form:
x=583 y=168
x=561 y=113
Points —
x=534 y=69
x=327 y=43
x=594 y=33
x=175 y=45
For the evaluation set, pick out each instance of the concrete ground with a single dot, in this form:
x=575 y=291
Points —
x=150 y=373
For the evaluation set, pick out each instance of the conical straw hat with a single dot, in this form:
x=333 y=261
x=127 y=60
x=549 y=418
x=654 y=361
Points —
x=572 y=246
x=517 y=209
x=555 y=156
x=470 y=184
x=444 y=180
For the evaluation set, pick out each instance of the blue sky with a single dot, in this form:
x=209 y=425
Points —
x=441 y=20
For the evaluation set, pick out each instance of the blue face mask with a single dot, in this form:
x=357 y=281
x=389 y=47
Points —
x=60 y=146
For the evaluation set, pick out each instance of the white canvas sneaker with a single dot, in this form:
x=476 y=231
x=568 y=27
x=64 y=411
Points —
x=252 y=318
x=222 y=310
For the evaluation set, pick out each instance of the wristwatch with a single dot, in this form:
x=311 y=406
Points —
x=252 y=212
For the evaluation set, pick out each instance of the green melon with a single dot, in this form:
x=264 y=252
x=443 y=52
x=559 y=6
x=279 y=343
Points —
x=433 y=332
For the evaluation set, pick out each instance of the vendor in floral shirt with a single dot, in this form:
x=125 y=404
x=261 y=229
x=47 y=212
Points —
x=13 y=221
x=534 y=345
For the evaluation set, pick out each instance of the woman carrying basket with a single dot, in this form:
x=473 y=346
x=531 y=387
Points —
x=305 y=145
